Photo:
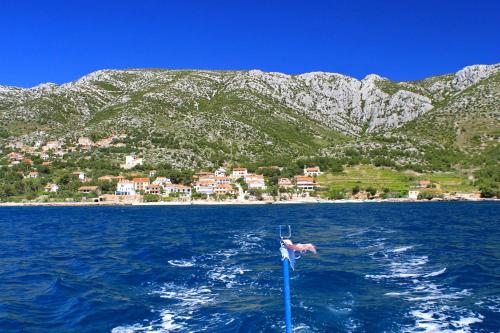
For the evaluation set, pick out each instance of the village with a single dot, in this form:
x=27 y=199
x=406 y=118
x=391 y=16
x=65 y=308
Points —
x=135 y=184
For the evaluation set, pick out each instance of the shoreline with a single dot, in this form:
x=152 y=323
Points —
x=229 y=203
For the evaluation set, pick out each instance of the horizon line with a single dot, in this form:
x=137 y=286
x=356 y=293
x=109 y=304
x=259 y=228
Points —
x=236 y=70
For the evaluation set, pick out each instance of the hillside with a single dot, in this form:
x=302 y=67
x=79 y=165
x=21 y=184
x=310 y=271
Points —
x=196 y=118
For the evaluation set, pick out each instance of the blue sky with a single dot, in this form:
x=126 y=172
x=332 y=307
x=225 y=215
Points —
x=60 y=41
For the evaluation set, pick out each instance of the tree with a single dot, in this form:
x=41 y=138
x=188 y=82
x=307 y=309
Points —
x=371 y=190
x=355 y=190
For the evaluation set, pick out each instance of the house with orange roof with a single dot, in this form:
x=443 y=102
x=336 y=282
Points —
x=222 y=180
x=33 y=174
x=312 y=171
x=204 y=176
x=15 y=156
x=153 y=189
x=183 y=190
x=222 y=189
x=255 y=181
x=285 y=183
x=205 y=187
x=305 y=183
x=140 y=183
x=27 y=161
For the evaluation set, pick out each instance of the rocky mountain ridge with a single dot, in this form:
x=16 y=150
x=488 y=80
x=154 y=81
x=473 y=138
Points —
x=195 y=113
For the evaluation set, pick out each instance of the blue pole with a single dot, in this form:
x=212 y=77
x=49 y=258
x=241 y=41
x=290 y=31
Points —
x=288 y=307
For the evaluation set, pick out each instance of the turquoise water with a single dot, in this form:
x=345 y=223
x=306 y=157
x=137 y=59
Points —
x=380 y=267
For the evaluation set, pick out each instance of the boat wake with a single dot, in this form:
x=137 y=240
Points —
x=433 y=304
x=186 y=305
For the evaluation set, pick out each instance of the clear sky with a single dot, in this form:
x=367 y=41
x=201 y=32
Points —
x=60 y=41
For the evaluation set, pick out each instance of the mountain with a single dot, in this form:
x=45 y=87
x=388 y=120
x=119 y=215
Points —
x=194 y=118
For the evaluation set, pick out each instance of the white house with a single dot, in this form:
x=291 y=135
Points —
x=204 y=176
x=224 y=189
x=125 y=187
x=413 y=195
x=131 y=162
x=222 y=180
x=220 y=172
x=183 y=190
x=80 y=175
x=312 y=171
x=305 y=183
x=239 y=173
x=205 y=187
x=51 y=188
x=153 y=189
x=169 y=188
x=255 y=181
x=162 y=181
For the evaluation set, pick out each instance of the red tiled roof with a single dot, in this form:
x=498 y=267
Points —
x=140 y=180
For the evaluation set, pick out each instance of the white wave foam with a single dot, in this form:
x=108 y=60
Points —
x=436 y=273
x=401 y=249
x=492 y=303
x=227 y=275
x=168 y=321
x=182 y=263
x=439 y=294
x=396 y=294
x=434 y=305
x=247 y=242
x=443 y=319
x=185 y=302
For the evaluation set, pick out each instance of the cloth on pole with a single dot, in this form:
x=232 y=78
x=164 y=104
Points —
x=287 y=254
x=299 y=247
x=288 y=249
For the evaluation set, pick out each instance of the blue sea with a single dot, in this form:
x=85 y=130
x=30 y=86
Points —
x=380 y=267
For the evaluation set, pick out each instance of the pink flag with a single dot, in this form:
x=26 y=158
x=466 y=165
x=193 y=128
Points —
x=299 y=247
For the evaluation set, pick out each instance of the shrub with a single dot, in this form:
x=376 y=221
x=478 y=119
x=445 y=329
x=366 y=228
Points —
x=371 y=190
x=151 y=197
x=355 y=190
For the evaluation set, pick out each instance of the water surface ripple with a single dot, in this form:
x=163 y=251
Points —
x=384 y=267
